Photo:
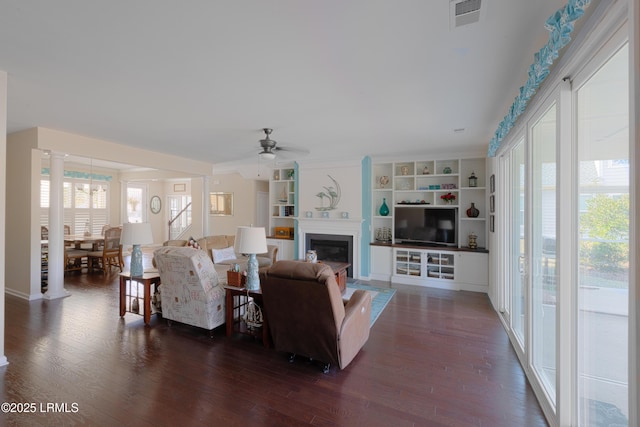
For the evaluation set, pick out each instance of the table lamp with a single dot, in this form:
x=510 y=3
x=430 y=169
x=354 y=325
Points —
x=251 y=241
x=136 y=234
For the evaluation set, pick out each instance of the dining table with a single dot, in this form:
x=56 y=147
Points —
x=95 y=240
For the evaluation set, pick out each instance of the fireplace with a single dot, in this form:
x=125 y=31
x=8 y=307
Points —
x=331 y=247
x=336 y=229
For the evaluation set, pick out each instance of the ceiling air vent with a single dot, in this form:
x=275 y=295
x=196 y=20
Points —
x=464 y=12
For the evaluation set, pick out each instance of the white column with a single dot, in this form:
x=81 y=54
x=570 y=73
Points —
x=56 y=229
x=206 y=204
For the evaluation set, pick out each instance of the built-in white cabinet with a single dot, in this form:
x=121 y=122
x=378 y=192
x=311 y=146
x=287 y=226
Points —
x=381 y=262
x=282 y=200
x=475 y=274
x=439 y=184
x=415 y=266
x=455 y=270
x=286 y=249
x=431 y=183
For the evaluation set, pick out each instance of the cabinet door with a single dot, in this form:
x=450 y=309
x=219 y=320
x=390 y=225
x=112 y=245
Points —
x=472 y=268
x=380 y=262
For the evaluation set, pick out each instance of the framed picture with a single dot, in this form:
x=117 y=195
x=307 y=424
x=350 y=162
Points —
x=492 y=183
x=221 y=203
x=155 y=205
x=492 y=223
x=178 y=188
x=492 y=203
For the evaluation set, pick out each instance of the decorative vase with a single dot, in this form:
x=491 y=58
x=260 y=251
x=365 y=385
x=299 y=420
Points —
x=473 y=212
x=384 y=209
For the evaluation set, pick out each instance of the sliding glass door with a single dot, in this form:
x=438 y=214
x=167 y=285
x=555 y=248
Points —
x=543 y=248
x=603 y=242
x=566 y=185
x=517 y=243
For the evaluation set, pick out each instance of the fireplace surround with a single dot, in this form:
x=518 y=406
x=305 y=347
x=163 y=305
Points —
x=332 y=247
x=337 y=230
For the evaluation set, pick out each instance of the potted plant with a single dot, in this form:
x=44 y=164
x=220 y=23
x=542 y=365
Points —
x=448 y=198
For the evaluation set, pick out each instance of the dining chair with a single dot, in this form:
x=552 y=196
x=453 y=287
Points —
x=111 y=253
x=75 y=259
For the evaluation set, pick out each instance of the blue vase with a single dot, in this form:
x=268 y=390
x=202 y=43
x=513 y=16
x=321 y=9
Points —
x=384 y=209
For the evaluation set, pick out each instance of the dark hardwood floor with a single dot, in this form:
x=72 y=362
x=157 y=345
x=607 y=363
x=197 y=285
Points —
x=434 y=358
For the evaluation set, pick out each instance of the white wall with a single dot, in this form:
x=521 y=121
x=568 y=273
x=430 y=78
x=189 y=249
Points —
x=244 y=202
x=3 y=187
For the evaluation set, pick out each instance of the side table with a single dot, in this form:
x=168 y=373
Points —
x=237 y=300
x=147 y=280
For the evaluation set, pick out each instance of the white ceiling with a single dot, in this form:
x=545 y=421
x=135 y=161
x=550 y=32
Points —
x=199 y=79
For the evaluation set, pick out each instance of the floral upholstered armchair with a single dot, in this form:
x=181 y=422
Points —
x=190 y=292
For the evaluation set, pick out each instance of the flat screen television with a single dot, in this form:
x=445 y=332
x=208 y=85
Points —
x=427 y=226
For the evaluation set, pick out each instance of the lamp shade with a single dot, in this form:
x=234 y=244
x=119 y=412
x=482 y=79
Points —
x=251 y=240
x=138 y=233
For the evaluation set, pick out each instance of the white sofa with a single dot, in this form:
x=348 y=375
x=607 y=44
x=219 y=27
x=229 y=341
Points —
x=214 y=245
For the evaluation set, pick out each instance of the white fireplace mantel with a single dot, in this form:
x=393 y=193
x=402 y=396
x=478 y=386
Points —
x=344 y=227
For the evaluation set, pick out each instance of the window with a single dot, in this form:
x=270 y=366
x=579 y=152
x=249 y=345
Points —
x=85 y=203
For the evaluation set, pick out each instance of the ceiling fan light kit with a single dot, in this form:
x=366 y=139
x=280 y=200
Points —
x=270 y=149
x=267 y=155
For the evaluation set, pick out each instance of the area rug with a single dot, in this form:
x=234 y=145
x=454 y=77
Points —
x=380 y=297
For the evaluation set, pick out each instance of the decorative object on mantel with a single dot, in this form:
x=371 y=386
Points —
x=446 y=170
x=384 y=209
x=276 y=175
x=311 y=256
x=404 y=170
x=473 y=212
x=473 y=241
x=384 y=180
x=473 y=179
x=448 y=198
x=425 y=170
x=332 y=193
x=325 y=214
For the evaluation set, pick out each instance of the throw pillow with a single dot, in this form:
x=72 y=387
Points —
x=221 y=255
x=193 y=243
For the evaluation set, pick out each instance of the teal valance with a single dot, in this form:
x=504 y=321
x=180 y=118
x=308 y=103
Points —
x=560 y=27
x=81 y=175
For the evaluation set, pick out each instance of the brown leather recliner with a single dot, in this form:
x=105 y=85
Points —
x=306 y=314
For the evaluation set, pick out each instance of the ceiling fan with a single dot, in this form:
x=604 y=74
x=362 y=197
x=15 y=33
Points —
x=270 y=148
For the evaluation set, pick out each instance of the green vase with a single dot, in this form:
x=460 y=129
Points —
x=384 y=209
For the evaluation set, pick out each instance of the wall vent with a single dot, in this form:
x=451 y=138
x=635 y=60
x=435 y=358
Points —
x=464 y=12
